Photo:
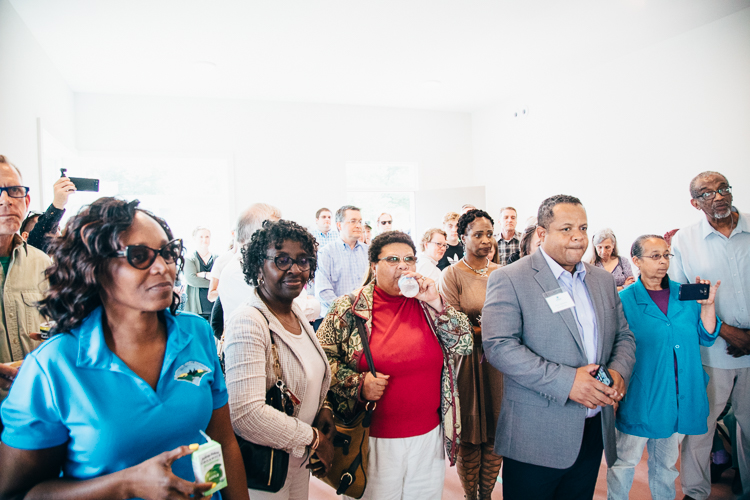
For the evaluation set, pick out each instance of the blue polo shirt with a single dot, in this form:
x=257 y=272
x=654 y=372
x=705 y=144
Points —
x=73 y=390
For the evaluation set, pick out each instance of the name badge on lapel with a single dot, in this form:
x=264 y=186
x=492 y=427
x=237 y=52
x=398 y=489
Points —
x=559 y=300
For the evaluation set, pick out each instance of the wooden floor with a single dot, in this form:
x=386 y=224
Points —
x=452 y=489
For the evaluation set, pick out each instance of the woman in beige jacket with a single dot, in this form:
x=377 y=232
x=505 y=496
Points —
x=278 y=262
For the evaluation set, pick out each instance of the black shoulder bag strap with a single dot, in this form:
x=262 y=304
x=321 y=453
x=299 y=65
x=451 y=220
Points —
x=368 y=356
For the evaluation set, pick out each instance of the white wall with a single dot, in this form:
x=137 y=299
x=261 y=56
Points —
x=628 y=136
x=290 y=155
x=31 y=87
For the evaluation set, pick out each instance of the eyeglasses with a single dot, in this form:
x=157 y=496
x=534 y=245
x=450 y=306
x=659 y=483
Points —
x=657 y=257
x=393 y=260
x=15 y=191
x=142 y=257
x=384 y=222
x=285 y=263
x=440 y=245
x=710 y=195
x=354 y=222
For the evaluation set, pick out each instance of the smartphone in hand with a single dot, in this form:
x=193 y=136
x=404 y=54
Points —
x=693 y=291
x=603 y=376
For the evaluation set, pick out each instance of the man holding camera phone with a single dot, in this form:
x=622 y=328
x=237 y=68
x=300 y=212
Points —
x=49 y=221
x=718 y=248
x=549 y=322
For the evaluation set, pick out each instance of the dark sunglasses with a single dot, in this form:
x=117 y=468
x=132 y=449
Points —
x=285 y=263
x=142 y=257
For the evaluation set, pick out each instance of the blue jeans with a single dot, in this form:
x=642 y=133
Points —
x=662 y=457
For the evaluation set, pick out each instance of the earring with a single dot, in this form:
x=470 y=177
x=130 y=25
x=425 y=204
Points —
x=261 y=280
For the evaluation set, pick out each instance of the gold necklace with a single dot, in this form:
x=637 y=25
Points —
x=480 y=272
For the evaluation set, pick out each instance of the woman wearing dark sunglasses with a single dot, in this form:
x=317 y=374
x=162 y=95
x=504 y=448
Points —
x=113 y=403
x=278 y=262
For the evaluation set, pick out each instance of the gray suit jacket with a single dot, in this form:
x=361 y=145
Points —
x=538 y=352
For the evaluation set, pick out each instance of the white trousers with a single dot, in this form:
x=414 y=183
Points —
x=406 y=468
x=296 y=486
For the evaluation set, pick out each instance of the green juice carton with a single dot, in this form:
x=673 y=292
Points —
x=208 y=465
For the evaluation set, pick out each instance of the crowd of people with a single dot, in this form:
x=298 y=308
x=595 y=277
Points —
x=498 y=350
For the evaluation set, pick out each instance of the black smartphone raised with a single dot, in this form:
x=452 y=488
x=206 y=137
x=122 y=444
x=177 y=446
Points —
x=603 y=376
x=82 y=183
x=693 y=291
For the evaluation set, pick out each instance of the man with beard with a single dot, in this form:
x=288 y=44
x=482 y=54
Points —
x=718 y=248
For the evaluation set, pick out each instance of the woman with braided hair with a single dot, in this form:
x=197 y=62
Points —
x=480 y=385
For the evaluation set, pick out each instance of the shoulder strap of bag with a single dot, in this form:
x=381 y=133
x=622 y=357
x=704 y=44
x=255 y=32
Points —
x=274 y=352
x=370 y=405
x=363 y=335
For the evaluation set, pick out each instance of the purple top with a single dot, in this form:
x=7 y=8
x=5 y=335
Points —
x=660 y=298
x=621 y=272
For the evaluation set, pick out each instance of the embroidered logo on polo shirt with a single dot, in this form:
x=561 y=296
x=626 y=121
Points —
x=191 y=372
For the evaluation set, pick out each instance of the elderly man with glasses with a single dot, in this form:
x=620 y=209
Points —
x=23 y=280
x=718 y=248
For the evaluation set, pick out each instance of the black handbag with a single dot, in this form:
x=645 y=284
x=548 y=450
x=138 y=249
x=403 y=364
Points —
x=266 y=467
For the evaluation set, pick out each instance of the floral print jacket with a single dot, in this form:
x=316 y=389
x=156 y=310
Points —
x=340 y=339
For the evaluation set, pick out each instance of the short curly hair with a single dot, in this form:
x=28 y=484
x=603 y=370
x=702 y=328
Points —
x=275 y=233
x=469 y=217
x=80 y=259
x=381 y=240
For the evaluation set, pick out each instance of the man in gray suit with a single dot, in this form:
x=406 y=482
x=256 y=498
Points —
x=548 y=323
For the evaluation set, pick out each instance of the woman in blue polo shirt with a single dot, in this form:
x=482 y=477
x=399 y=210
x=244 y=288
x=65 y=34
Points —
x=667 y=392
x=108 y=407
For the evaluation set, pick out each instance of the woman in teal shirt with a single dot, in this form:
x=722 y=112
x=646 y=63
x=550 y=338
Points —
x=109 y=407
x=667 y=394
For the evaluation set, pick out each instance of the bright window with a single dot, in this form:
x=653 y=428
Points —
x=186 y=192
x=378 y=187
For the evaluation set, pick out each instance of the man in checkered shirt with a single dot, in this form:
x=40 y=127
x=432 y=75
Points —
x=508 y=240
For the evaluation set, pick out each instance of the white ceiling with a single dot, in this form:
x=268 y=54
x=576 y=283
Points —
x=432 y=54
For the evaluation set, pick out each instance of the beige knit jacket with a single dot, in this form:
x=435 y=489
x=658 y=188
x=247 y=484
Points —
x=249 y=374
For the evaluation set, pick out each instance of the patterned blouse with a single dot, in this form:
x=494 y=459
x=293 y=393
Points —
x=621 y=272
x=340 y=340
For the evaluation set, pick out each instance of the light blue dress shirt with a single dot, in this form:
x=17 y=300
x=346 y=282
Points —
x=583 y=311
x=700 y=250
x=325 y=238
x=341 y=270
